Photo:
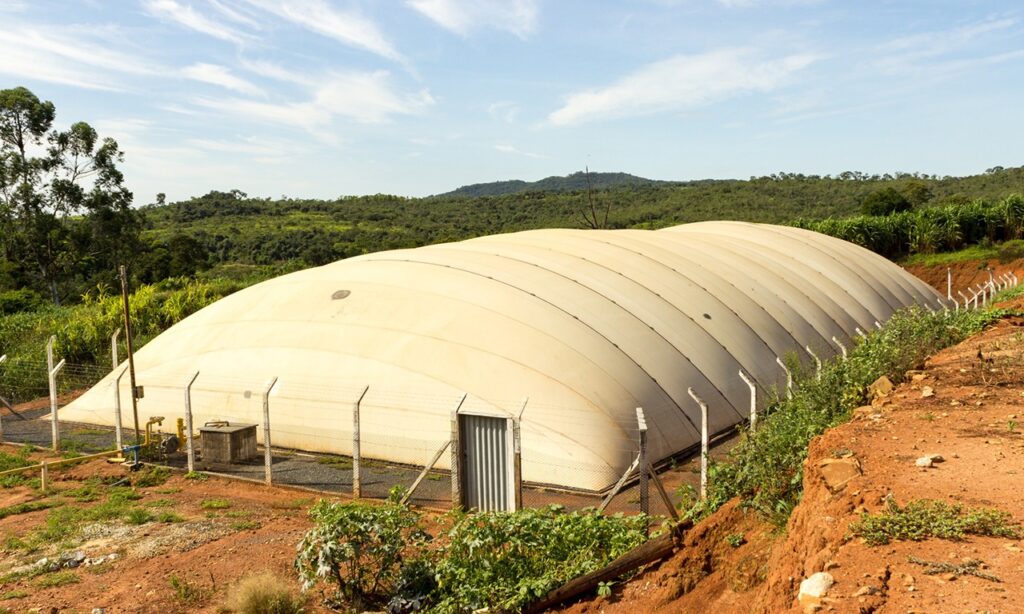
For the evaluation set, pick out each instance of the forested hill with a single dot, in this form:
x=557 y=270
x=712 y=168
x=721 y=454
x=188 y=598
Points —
x=227 y=227
x=569 y=183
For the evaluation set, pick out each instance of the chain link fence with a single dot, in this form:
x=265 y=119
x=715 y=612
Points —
x=345 y=434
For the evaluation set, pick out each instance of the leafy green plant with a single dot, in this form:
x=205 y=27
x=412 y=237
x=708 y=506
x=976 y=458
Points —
x=604 y=589
x=152 y=476
x=925 y=518
x=196 y=476
x=735 y=539
x=358 y=549
x=169 y=517
x=503 y=561
x=60 y=578
x=138 y=516
x=186 y=592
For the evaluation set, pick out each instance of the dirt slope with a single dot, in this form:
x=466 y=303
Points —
x=965 y=274
x=969 y=416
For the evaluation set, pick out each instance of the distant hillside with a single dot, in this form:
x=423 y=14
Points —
x=570 y=183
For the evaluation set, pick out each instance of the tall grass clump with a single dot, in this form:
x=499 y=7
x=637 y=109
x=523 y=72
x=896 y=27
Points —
x=765 y=469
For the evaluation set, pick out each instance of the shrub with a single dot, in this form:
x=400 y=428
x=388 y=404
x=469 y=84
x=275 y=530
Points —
x=215 y=504
x=138 y=516
x=1010 y=251
x=262 y=594
x=926 y=518
x=359 y=549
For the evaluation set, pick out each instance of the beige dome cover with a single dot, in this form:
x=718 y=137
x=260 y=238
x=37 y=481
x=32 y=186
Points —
x=589 y=324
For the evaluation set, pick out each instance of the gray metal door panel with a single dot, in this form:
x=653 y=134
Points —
x=485 y=445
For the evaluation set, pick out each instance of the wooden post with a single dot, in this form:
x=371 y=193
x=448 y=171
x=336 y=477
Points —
x=43 y=476
x=817 y=362
x=113 y=348
x=52 y=371
x=949 y=283
x=190 y=445
x=2 y=360
x=663 y=493
x=118 y=430
x=703 y=443
x=641 y=424
x=517 y=459
x=753 y=399
x=357 y=451
x=618 y=485
x=456 y=450
x=131 y=354
x=789 y=377
x=423 y=474
x=267 y=455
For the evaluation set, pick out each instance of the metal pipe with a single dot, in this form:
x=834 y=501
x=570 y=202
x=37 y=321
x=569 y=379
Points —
x=703 y=443
x=789 y=377
x=817 y=362
x=190 y=446
x=267 y=456
x=753 y=399
x=842 y=347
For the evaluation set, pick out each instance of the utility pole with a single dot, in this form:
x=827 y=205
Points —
x=131 y=353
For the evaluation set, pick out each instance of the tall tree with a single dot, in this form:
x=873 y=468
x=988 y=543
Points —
x=63 y=205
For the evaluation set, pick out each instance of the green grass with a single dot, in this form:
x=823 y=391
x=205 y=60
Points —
x=159 y=503
x=187 y=593
x=137 y=516
x=152 y=476
x=926 y=518
x=215 y=504
x=974 y=252
x=60 y=578
x=337 y=462
x=14 y=595
x=28 y=506
x=245 y=525
x=169 y=517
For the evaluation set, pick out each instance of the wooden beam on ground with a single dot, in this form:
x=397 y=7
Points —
x=651 y=551
x=426 y=470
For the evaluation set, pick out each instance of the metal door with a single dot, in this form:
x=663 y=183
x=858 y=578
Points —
x=488 y=470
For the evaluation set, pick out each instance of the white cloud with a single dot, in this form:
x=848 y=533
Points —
x=462 y=16
x=219 y=75
x=503 y=110
x=509 y=149
x=682 y=82
x=185 y=15
x=733 y=4
x=363 y=97
x=234 y=14
x=931 y=50
x=57 y=57
x=346 y=27
x=277 y=72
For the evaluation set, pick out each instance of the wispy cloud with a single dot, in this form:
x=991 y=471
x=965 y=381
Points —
x=752 y=3
x=277 y=72
x=503 y=110
x=67 y=58
x=462 y=16
x=509 y=149
x=945 y=50
x=347 y=27
x=363 y=97
x=235 y=14
x=185 y=15
x=221 y=76
x=682 y=82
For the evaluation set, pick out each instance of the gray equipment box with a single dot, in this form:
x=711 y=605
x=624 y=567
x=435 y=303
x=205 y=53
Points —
x=228 y=443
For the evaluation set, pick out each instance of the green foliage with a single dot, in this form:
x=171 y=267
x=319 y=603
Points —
x=169 y=517
x=25 y=508
x=22 y=299
x=925 y=518
x=496 y=560
x=735 y=539
x=138 y=516
x=885 y=201
x=503 y=561
x=215 y=504
x=1010 y=251
x=765 y=467
x=358 y=549
x=187 y=593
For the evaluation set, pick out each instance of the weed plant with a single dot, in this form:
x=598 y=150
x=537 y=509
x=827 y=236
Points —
x=925 y=518
x=765 y=468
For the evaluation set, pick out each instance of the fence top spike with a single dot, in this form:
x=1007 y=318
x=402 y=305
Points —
x=641 y=421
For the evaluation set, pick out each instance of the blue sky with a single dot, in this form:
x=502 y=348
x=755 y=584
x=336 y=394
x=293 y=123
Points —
x=322 y=98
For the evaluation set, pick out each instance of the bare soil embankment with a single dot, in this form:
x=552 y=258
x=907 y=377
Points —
x=966 y=405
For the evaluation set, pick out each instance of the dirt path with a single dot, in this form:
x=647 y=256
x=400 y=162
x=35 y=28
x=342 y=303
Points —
x=967 y=405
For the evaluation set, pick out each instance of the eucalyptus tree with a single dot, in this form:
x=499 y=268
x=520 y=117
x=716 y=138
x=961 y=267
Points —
x=64 y=209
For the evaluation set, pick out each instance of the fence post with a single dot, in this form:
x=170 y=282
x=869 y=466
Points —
x=842 y=347
x=268 y=457
x=789 y=377
x=817 y=362
x=456 y=450
x=517 y=458
x=949 y=282
x=753 y=399
x=703 y=443
x=967 y=301
x=43 y=476
x=641 y=424
x=190 y=445
x=113 y=348
x=357 y=451
x=860 y=332
x=52 y=371
x=118 y=432
x=878 y=325
x=3 y=359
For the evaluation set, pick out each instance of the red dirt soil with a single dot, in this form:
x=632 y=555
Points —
x=970 y=417
x=965 y=274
